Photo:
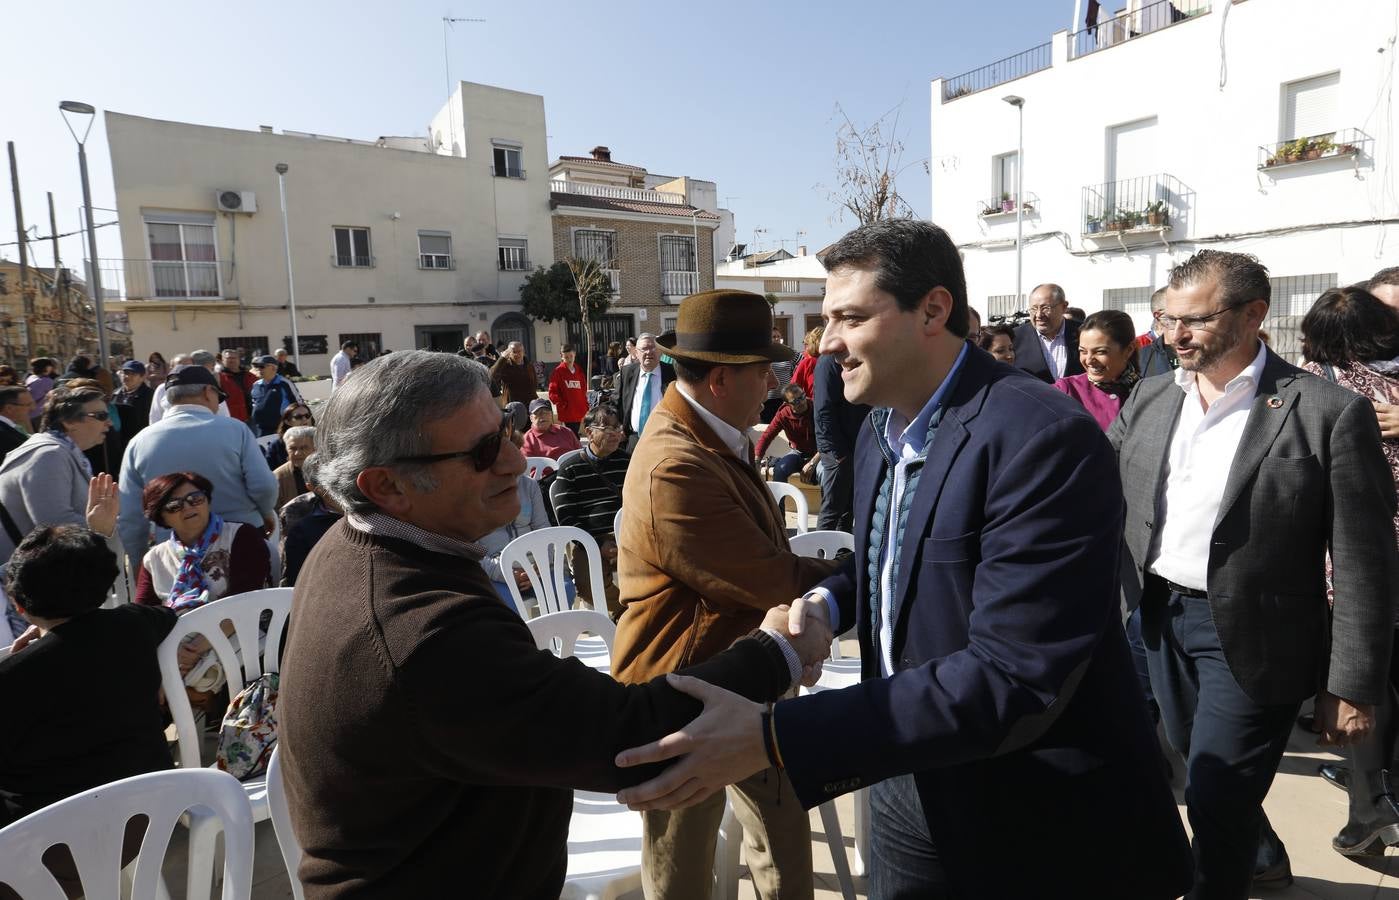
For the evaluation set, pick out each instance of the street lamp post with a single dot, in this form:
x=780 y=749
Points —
x=95 y=275
x=1019 y=104
x=291 y=284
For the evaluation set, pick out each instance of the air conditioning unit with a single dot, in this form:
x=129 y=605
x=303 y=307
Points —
x=235 y=201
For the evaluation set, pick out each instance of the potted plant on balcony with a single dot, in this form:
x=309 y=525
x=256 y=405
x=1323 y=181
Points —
x=1093 y=224
x=1007 y=204
x=989 y=209
x=1156 y=213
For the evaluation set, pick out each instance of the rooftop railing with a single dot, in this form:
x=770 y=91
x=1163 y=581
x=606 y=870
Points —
x=1027 y=62
x=587 y=189
x=1130 y=23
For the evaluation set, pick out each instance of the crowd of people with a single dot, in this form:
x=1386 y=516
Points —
x=1066 y=534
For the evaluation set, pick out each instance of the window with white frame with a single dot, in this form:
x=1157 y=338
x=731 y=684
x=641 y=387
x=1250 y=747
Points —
x=1310 y=106
x=184 y=255
x=352 y=247
x=434 y=250
x=1003 y=171
x=1293 y=296
x=513 y=254
x=507 y=161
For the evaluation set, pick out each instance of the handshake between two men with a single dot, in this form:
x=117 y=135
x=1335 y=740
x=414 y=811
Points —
x=732 y=738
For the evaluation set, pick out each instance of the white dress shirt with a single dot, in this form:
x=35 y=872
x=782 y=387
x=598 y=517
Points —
x=1202 y=450
x=1056 y=353
x=339 y=369
x=653 y=384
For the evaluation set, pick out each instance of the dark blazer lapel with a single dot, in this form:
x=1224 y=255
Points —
x=1271 y=407
x=968 y=395
x=1159 y=429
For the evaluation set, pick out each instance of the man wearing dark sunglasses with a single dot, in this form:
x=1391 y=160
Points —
x=411 y=693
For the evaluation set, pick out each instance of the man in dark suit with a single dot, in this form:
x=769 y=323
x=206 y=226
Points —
x=1047 y=345
x=838 y=424
x=998 y=708
x=16 y=408
x=1240 y=471
x=640 y=387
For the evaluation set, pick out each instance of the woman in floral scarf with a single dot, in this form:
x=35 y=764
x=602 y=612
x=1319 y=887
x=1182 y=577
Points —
x=1107 y=350
x=204 y=559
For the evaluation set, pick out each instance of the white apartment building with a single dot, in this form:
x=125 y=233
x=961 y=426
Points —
x=1258 y=126
x=797 y=283
x=396 y=242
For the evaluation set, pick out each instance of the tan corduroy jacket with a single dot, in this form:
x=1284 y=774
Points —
x=703 y=550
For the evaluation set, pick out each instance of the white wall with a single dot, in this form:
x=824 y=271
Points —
x=1208 y=139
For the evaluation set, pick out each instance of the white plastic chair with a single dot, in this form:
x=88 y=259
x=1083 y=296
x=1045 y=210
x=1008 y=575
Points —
x=559 y=633
x=604 y=837
x=281 y=822
x=825 y=545
x=617 y=526
x=93 y=826
x=837 y=674
x=541 y=555
x=539 y=466
x=244 y=611
x=781 y=490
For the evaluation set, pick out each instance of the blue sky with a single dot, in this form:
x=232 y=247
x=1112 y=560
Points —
x=743 y=95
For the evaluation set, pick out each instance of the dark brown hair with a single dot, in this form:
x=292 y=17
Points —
x=1347 y=325
x=159 y=489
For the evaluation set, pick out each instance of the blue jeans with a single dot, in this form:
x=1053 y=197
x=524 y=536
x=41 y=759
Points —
x=788 y=465
x=903 y=863
x=1231 y=745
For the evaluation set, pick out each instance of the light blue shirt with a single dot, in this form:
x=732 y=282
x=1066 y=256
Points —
x=190 y=438
x=908 y=440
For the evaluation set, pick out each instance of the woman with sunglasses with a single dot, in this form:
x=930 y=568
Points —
x=294 y=416
x=204 y=559
x=48 y=480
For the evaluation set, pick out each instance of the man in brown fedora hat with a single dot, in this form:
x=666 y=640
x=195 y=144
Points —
x=703 y=555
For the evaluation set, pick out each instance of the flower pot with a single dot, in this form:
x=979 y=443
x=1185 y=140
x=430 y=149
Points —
x=1095 y=227
x=1156 y=218
x=1007 y=206
x=1312 y=154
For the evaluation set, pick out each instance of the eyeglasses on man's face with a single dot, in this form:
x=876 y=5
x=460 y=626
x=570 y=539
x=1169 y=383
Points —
x=606 y=429
x=194 y=500
x=1191 y=323
x=1046 y=310
x=482 y=456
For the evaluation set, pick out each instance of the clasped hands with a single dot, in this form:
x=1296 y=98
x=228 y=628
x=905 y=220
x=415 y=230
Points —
x=724 y=743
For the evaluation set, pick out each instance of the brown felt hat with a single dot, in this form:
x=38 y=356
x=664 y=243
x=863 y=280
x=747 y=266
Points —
x=726 y=327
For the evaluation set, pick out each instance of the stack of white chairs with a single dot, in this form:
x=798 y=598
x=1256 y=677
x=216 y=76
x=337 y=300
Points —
x=781 y=490
x=244 y=612
x=540 y=554
x=93 y=826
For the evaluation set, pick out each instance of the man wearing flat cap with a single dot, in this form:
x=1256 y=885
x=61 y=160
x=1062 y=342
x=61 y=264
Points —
x=703 y=554
x=192 y=437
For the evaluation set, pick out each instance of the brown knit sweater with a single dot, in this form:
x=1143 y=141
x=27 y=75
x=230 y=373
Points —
x=428 y=745
x=516 y=382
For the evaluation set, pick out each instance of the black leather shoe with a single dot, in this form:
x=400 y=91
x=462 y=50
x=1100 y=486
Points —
x=1335 y=775
x=1360 y=838
x=1274 y=877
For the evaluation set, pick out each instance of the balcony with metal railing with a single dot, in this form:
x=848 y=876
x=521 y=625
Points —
x=1129 y=24
x=1348 y=143
x=164 y=279
x=1004 y=206
x=1026 y=62
x=587 y=189
x=1151 y=204
x=340 y=261
x=679 y=284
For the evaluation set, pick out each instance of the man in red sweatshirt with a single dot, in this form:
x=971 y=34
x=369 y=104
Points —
x=567 y=391
x=237 y=384
x=795 y=421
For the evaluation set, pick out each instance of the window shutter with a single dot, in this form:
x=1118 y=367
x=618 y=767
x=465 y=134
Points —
x=1311 y=106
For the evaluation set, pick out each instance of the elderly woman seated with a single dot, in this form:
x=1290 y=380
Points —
x=68 y=735
x=300 y=442
x=204 y=559
x=305 y=521
x=297 y=415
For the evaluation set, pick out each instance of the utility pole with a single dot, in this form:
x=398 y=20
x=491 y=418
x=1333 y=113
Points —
x=26 y=300
x=60 y=282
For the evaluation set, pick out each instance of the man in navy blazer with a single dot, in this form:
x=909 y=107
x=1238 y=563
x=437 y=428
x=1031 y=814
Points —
x=998 y=727
x=1047 y=345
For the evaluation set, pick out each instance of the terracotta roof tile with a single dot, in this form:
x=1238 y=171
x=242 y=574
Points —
x=678 y=210
x=601 y=162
